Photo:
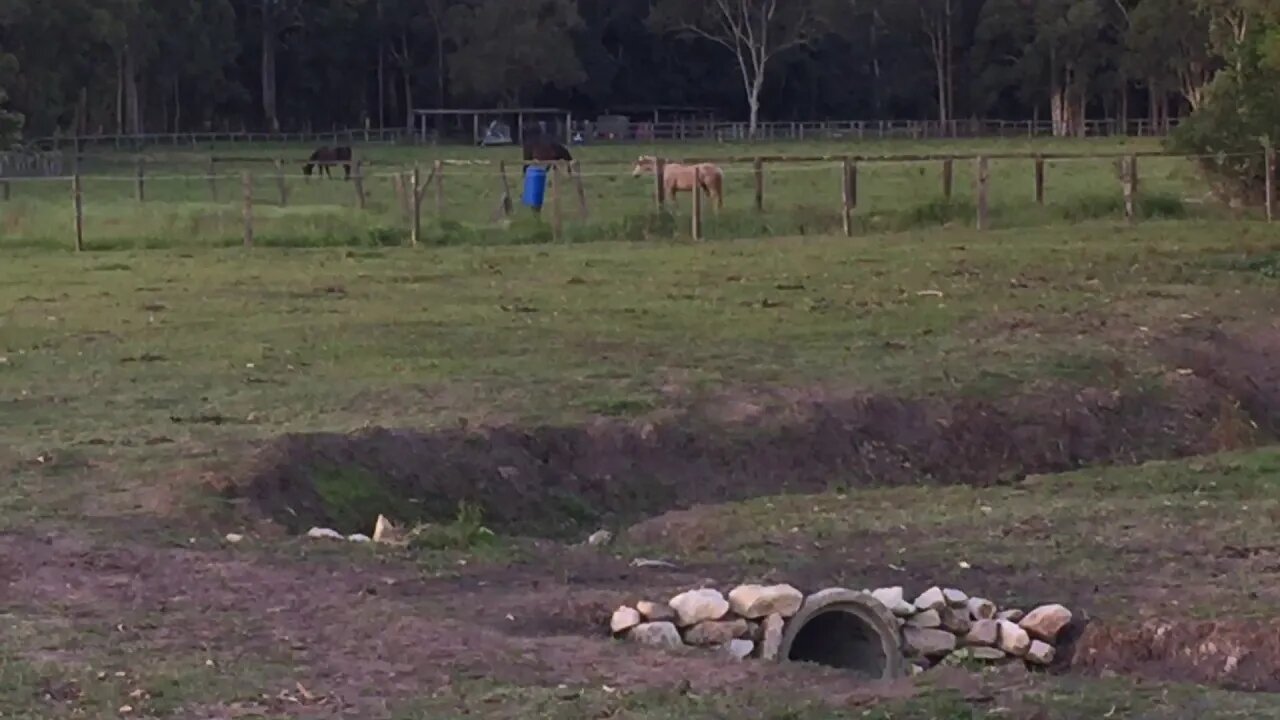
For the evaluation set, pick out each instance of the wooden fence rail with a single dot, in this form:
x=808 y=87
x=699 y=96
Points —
x=411 y=188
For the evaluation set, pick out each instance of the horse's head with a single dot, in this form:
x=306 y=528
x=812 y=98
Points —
x=644 y=164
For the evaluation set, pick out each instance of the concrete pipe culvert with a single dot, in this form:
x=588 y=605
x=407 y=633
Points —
x=846 y=630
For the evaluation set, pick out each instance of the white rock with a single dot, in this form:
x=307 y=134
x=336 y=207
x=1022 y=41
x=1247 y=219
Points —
x=931 y=599
x=771 y=637
x=756 y=601
x=980 y=609
x=599 y=538
x=320 y=533
x=987 y=654
x=955 y=598
x=624 y=618
x=697 y=606
x=1046 y=622
x=894 y=599
x=658 y=634
x=926 y=619
x=713 y=633
x=234 y=538
x=646 y=563
x=1012 y=615
x=983 y=633
x=928 y=642
x=385 y=532
x=655 y=612
x=1041 y=653
x=740 y=649
x=956 y=621
x=1013 y=639
x=359 y=538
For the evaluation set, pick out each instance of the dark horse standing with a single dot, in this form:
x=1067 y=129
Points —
x=544 y=148
x=327 y=157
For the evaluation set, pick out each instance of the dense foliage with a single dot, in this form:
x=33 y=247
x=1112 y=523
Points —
x=1240 y=111
x=159 y=65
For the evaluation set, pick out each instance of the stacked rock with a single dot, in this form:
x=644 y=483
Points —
x=940 y=625
x=945 y=624
x=748 y=623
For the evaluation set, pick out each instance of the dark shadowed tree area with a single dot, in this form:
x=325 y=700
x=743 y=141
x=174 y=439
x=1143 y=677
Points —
x=88 y=66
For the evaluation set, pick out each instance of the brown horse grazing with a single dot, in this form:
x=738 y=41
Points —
x=326 y=157
x=677 y=178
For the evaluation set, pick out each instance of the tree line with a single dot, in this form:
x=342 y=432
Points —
x=134 y=66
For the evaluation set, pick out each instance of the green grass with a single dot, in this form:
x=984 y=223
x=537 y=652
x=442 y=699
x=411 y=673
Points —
x=131 y=364
x=1164 y=526
x=183 y=209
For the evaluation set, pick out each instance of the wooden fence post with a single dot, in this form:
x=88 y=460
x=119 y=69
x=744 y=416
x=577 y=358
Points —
x=247 y=181
x=213 y=179
x=1131 y=188
x=508 y=204
x=1039 y=180
x=281 y=184
x=77 y=205
x=983 y=181
x=557 y=221
x=948 y=178
x=697 y=204
x=659 y=186
x=357 y=180
x=415 y=207
x=438 y=172
x=5 y=192
x=758 y=167
x=848 y=194
x=140 y=188
x=1271 y=183
x=575 y=169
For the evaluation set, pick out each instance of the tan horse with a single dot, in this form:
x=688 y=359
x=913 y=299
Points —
x=677 y=178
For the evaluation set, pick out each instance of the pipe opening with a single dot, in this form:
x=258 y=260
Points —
x=840 y=639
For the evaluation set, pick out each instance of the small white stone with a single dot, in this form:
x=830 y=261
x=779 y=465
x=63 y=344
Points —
x=771 y=637
x=983 y=633
x=928 y=642
x=1013 y=639
x=931 y=599
x=359 y=538
x=955 y=598
x=697 y=606
x=757 y=601
x=987 y=654
x=600 y=538
x=624 y=618
x=320 y=533
x=234 y=538
x=1040 y=653
x=655 y=612
x=385 y=532
x=980 y=609
x=894 y=599
x=658 y=634
x=739 y=649
x=1046 y=622
x=926 y=619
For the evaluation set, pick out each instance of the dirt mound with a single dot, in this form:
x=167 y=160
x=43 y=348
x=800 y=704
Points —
x=1237 y=655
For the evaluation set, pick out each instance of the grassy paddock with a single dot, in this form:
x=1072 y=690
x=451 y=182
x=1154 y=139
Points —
x=184 y=209
x=141 y=360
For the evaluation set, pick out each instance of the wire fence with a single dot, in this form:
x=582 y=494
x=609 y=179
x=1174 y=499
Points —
x=111 y=202
x=683 y=130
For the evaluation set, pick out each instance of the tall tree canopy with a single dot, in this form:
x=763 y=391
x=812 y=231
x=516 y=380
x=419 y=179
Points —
x=163 y=65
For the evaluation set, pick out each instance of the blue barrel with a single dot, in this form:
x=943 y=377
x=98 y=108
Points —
x=535 y=186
